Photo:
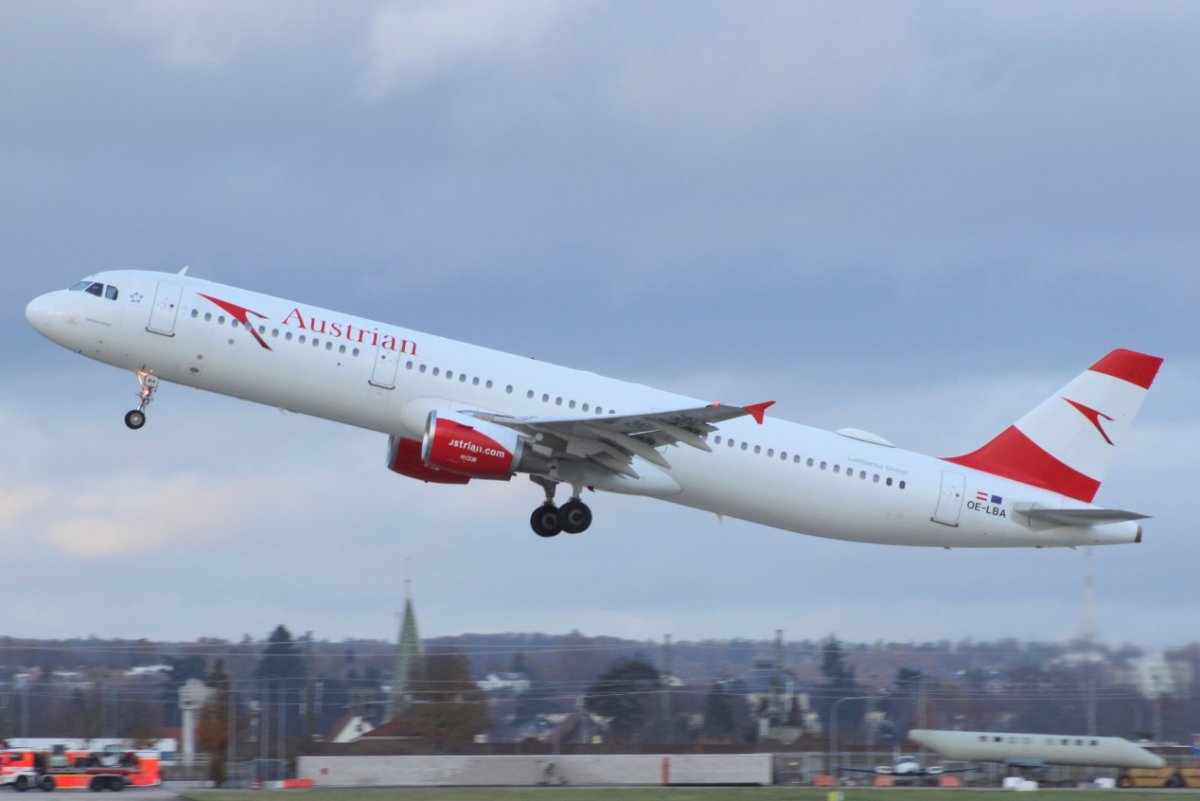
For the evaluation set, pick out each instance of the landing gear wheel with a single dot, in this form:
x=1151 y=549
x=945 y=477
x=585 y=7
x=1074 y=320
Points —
x=135 y=419
x=575 y=516
x=546 y=521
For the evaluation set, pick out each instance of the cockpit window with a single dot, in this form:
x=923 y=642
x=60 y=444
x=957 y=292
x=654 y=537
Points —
x=96 y=288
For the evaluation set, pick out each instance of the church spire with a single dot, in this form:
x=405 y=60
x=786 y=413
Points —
x=408 y=651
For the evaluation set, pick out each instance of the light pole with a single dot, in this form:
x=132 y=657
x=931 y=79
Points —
x=833 y=723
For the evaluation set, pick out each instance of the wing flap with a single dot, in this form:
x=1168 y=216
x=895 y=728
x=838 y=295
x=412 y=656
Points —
x=612 y=441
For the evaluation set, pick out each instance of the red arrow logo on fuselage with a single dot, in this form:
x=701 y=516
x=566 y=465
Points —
x=241 y=314
x=1093 y=416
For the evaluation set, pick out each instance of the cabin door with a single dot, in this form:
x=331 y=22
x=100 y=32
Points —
x=386 y=364
x=165 y=309
x=950 y=502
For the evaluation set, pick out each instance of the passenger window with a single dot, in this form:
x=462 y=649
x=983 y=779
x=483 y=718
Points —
x=421 y=369
x=110 y=292
x=488 y=384
x=437 y=370
x=717 y=439
x=758 y=449
x=354 y=352
x=822 y=465
x=407 y=365
x=529 y=394
x=901 y=485
x=195 y=313
x=837 y=468
x=584 y=407
x=302 y=339
x=329 y=345
x=475 y=381
x=571 y=405
x=745 y=445
x=342 y=349
x=558 y=401
x=450 y=374
x=771 y=452
x=208 y=317
x=288 y=336
x=545 y=397
x=889 y=481
x=731 y=443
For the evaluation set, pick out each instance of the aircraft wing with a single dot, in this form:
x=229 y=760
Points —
x=612 y=441
x=921 y=773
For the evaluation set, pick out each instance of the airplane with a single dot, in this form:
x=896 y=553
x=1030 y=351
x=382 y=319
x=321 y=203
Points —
x=455 y=412
x=906 y=767
x=1036 y=750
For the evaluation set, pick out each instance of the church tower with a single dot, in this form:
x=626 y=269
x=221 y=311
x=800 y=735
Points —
x=408 y=651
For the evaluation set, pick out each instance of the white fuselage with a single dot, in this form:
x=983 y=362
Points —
x=1032 y=749
x=385 y=378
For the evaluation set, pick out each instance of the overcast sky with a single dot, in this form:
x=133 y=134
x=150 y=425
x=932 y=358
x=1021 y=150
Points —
x=913 y=218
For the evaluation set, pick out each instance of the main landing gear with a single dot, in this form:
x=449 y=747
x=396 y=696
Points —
x=548 y=520
x=148 y=384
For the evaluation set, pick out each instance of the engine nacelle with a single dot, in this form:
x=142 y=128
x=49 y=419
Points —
x=470 y=447
x=404 y=457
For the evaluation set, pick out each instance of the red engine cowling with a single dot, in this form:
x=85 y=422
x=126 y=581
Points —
x=470 y=447
x=404 y=457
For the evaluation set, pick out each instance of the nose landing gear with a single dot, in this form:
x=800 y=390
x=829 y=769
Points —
x=148 y=383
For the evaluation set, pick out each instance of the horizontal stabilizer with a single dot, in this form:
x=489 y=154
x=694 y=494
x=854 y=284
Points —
x=1076 y=517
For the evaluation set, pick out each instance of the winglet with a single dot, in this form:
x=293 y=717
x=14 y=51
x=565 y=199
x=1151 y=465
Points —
x=758 y=410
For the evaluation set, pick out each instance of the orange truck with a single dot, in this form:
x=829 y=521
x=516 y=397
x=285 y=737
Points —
x=59 y=768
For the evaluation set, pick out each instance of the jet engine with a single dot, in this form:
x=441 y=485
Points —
x=404 y=457
x=469 y=447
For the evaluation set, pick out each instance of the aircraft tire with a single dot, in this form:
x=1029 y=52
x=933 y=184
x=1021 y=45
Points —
x=575 y=517
x=546 y=521
x=135 y=419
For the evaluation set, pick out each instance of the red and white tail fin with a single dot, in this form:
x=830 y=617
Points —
x=1067 y=442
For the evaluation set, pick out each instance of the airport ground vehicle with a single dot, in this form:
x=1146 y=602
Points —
x=25 y=768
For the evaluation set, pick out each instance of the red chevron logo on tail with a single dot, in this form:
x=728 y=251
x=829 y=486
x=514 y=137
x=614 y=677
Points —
x=1093 y=417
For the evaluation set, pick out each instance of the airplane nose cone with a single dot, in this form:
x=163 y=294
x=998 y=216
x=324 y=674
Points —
x=39 y=312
